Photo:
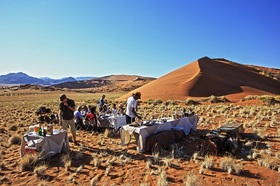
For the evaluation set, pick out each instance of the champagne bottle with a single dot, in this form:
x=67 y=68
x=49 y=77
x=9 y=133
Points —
x=40 y=130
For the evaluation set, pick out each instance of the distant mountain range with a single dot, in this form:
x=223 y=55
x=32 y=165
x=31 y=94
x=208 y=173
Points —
x=22 y=78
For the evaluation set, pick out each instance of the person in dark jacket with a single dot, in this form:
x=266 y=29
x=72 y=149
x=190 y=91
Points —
x=66 y=113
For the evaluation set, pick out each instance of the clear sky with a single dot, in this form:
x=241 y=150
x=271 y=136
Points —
x=61 y=38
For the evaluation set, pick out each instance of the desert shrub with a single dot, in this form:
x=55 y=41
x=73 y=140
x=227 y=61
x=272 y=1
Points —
x=79 y=169
x=216 y=99
x=224 y=99
x=208 y=163
x=268 y=100
x=249 y=97
x=94 y=180
x=159 y=101
x=2 y=130
x=14 y=140
x=108 y=169
x=148 y=163
x=268 y=161
x=190 y=101
x=192 y=179
x=150 y=101
x=66 y=161
x=227 y=163
x=21 y=125
x=43 y=183
x=162 y=180
x=28 y=162
x=13 y=128
x=40 y=170
x=213 y=99
x=79 y=155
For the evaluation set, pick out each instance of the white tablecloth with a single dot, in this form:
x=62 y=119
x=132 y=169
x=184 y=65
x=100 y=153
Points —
x=117 y=121
x=47 y=146
x=186 y=124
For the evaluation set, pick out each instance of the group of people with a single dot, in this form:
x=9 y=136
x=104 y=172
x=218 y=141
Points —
x=84 y=114
x=104 y=109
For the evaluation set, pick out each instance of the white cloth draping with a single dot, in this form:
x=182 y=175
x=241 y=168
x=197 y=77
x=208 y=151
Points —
x=184 y=124
x=117 y=121
x=46 y=145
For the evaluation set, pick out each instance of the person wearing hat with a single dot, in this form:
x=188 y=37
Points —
x=131 y=108
x=67 y=108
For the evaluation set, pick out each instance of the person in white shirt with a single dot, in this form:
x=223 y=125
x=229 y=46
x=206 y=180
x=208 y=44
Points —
x=114 y=109
x=131 y=108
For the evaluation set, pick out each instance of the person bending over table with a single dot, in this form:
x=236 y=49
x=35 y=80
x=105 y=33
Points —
x=66 y=115
x=131 y=108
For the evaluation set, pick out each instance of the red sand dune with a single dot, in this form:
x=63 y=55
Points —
x=206 y=77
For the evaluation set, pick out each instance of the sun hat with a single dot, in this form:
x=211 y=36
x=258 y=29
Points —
x=139 y=94
x=62 y=97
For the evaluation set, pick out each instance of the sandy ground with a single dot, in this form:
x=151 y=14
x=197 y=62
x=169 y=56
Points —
x=99 y=159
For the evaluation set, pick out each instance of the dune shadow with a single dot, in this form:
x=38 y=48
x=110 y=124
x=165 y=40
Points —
x=217 y=78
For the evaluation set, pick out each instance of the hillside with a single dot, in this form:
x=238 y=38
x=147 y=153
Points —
x=109 y=83
x=205 y=77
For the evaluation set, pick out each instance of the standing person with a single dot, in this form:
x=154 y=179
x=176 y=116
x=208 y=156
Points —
x=101 y=102
x=131 y=108
x=66 y=115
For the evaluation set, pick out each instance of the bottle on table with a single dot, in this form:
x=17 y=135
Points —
x=40 y=132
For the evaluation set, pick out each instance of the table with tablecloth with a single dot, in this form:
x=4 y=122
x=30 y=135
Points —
x=117 y=121
x=46 y=146
x=186 y=124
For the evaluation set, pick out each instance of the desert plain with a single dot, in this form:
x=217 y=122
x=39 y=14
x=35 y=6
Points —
x=99 y=158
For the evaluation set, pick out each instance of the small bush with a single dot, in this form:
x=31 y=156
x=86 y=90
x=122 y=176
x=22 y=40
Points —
x=27 y=162
x=268 y=161
x=14 y=140
x=192 y=180
x=40 y=170
x=190 y=101
x=13 y=128
x=162 y=180
x=159 y=101
x=268 y=100
x=213 y=99
x=208 y=163
x=228 y=164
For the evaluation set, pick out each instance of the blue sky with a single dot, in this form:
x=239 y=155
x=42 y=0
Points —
x=57 y=38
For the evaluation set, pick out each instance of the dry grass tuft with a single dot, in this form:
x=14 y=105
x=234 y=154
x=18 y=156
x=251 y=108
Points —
x=28 y=161
x=192 y=179
x=108 y=169
x=107 y=133
x=96 y=161
x=269 y=162
x=13 y=128
x=40 y=170
x=94 y=180
x=208 y=163
x=14 y=140
x=2 y=130
x=148 y=163
x=66 y=160
x=43 y=183
x=162 y=180
x=79 y=169
x=79 y=155
x=228 y=163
